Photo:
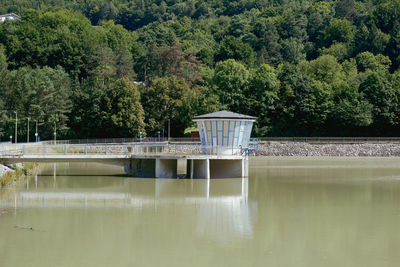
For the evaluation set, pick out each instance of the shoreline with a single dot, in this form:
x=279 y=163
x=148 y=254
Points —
x=303 y=149
x=13 y=174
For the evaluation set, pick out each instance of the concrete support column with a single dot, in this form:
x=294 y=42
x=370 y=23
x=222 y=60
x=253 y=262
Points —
x=201 y=168
x=181 y=168
x=207 y=169
x=158 y=168
x=191 y=168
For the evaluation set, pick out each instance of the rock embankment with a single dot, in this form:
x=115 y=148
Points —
x=4 y=170
x=302 y=149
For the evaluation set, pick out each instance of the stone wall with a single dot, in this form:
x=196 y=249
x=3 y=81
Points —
x=315 y=149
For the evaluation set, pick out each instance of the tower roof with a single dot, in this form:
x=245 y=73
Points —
x=224 y=114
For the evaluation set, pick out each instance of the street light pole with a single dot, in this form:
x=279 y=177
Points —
x=16 y=126
x=55 y=132
x=27 y=133
x=169 y=129
x=36 y=133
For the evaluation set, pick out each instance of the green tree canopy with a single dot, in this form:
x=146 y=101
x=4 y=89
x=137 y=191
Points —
x=122 y=113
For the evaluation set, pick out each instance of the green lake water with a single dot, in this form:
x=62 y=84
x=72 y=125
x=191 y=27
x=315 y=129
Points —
x=289 y=212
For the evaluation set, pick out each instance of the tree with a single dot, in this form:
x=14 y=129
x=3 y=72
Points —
x=234 y=48
x=371 y=38
x=103 y=64
x=43 y=94
x=293 y=50
x=351 y=110
x=3 y=63
x=51 y=38
x=379 y=92
x=261 y=97
x=85 y=117
x=368 y=61
x=167 y=99
x=393 y=48
x=339 y=30
x=122 y=113
x=345 y=9
x=231 y=80
x=268 y=41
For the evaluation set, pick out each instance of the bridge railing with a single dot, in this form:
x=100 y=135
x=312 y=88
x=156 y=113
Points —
x=118 y=149
x=124 y=140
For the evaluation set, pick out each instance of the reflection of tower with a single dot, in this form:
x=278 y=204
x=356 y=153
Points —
x=225 y=217
x=219 y=208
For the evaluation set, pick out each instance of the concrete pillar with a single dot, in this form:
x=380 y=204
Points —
x=158 y=168
x=181 y=168
x=207 y=169
x=191 y=168
x=201 y=168
x=166 y=168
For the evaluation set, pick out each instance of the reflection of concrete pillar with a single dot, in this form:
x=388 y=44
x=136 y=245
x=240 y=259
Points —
x=208 y=188
x=54 y=174
x=245 y=167
x=245 y=188
x=207 y=169
x=191 y=168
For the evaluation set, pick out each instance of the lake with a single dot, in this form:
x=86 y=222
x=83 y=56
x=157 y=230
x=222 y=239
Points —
x=289 y=212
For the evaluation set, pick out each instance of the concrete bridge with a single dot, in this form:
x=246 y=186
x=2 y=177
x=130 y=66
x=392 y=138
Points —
x=159 y=160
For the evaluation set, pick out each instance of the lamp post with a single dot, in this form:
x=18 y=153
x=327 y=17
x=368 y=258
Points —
x=27 y=132
x=10 y=138
x=140 y=136
x=16 y=126
x=55 y=132
x=158 y=133
x=36 y=133
x=169 y=128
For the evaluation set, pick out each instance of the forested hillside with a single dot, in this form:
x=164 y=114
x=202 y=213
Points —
x=99 y=68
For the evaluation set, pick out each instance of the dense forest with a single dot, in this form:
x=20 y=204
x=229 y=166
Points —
x=96 y=68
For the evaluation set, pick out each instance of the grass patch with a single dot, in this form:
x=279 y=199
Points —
x=17 y=174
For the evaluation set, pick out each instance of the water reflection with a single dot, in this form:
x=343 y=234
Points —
x=222 y=209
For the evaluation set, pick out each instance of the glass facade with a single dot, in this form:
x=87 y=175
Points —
x=232 y=133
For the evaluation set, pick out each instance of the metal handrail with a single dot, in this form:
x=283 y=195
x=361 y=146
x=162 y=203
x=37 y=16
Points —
x=133 y=149
x=123 y=140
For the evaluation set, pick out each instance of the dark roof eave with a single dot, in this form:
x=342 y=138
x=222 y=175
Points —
x=224 y=115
